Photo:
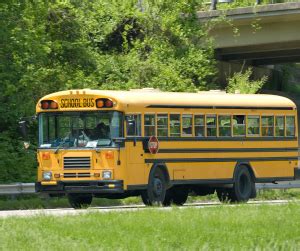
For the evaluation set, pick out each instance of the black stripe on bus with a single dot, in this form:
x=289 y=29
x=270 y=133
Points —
x=225 y=150
x=214 y=138
x=211 y=182
x=189 y=160
x=220 y=107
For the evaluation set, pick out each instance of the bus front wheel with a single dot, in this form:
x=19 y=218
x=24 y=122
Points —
x=78 y=201
x=156 y=189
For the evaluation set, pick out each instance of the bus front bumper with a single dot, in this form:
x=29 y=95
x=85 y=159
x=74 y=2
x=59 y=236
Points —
x=95 y=187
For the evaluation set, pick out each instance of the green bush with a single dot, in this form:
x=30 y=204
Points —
x=241 y=82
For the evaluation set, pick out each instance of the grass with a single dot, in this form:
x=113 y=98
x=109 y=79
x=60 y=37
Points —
x=36 y=202
x=244 y=227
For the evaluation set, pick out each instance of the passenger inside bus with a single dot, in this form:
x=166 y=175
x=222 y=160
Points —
x=100 y=131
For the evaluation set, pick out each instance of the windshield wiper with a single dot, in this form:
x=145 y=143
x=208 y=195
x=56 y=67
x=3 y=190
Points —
x=61 y=144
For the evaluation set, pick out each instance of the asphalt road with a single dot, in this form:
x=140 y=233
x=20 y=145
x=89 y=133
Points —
x=71 y=211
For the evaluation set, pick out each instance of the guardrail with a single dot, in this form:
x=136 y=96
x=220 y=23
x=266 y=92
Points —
x=213 y=3
x=29 y=188
x=17 y=188
x=278 y=185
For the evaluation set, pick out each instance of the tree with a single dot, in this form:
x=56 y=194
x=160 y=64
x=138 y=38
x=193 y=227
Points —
x=47 y=46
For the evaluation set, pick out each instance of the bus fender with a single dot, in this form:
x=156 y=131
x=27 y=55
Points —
x=164 y=169
x=245 y=164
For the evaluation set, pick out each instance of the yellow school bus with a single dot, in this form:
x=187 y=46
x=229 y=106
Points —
x=163 y=145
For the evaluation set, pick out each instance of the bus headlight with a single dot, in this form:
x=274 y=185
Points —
x=106 y=174
x=47 y=175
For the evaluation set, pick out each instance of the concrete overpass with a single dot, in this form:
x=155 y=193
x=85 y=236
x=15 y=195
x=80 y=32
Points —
x=260 y=35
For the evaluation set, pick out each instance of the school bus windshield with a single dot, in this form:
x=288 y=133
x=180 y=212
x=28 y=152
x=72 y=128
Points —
x=79 y=129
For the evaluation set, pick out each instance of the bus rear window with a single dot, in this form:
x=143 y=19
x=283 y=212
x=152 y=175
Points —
x=290 y=126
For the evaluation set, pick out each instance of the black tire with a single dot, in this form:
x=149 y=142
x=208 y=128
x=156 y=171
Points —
x=243 y=184
x=156 y=190
x=242 y=189
x=168 y=198
x=176 y=195
x=180 y=196
x=78 y=201
x=253 y=191
x=145 y=198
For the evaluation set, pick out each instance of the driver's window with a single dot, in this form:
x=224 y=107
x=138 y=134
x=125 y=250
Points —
x=133 y=125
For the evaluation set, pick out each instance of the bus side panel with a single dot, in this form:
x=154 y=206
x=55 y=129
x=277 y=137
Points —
x=269 y=169
x=135 y=169
x=204 y=170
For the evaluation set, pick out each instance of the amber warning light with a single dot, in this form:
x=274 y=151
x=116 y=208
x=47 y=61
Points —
x=49 y=104
x=104 y=103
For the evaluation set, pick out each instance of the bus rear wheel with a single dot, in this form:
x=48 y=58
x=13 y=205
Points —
x=156 y=189
x=242 y=189
x=78 y=201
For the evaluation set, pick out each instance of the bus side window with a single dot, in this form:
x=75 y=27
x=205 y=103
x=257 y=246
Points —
x=162 y=125
x=224 y=125
x=187 y=125
x=149 y=125
x=253 y=125
x=199 y=125
x=175 y=125
x=133 y=125
x=290 y=126
x=239 y=125
x=279 y=126
x=211 y=125
x=267 y=126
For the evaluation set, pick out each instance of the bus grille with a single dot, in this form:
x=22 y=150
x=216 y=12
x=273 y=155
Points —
x=77 y=175
x=77 y=162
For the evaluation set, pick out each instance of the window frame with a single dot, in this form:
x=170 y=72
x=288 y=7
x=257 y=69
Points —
x=245 y=125
x=230 y=126
x=261 y=125
x=295 y=126
x=167 y=126
x=192 y=132
x=149 y=113
x=207 y=127
x=204 y=124
x=284 y=122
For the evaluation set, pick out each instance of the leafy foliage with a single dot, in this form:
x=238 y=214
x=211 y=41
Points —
x=48 y=46
x=241 y=82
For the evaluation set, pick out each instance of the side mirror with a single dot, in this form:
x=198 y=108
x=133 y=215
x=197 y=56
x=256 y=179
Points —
x=23 y=129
